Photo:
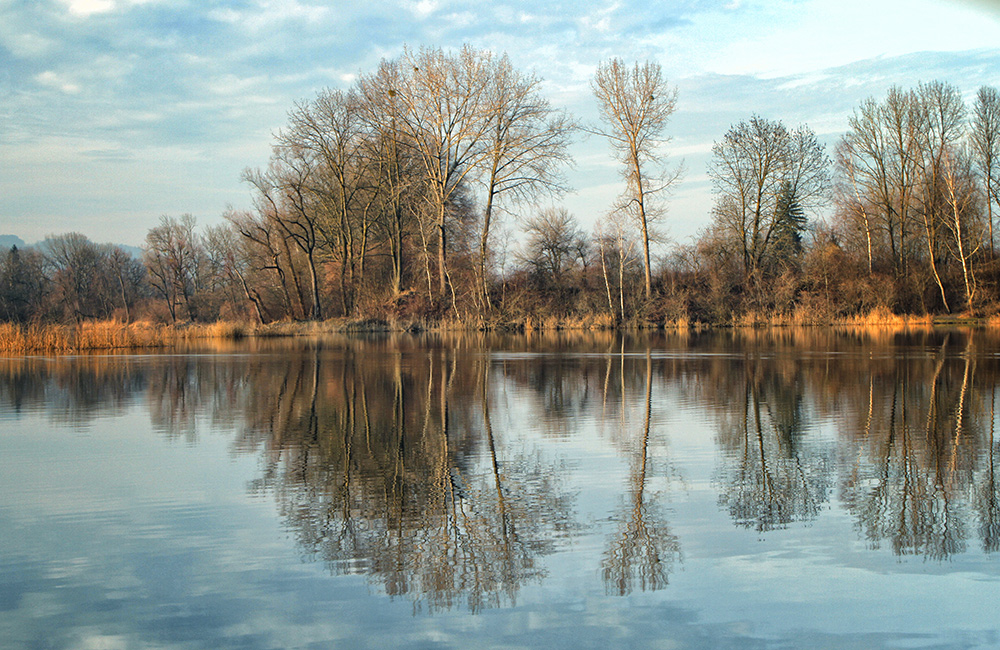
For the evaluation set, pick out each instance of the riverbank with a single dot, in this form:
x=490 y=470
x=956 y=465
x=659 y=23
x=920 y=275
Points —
x=107 y=336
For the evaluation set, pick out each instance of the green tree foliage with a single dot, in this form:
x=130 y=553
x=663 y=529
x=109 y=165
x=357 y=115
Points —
x=790 y=224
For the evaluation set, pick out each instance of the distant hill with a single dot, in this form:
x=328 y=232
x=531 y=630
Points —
x=134 y=251
x=6 y=241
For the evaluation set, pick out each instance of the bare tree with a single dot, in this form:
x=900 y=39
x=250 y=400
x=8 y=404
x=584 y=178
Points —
x=526 y=143
x=939 y=116
x=636 y=103
x=985 y=138
x=286 y=188
x=878 y=155
x=902 y=171
x=962 y=215
x=345 y=183
x=550 y=243
x=79 y=274
x=129 y=275
x=763 y=175
x=172 y=255
x=226 y=248
x=616 y=248
x=397 y=177
x=443 y=96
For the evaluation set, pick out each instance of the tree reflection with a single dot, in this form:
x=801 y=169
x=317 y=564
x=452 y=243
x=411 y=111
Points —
x=389 y=472
x=916 y=460
x=987 y=494
x=403 y=458
x=767 y=480
x=642 y=552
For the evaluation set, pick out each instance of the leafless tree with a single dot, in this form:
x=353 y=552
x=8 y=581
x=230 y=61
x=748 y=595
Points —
x=443 y=96
x=962 y=217
x=78 y=270
x=985 y=139
x=172 y=255
x=526 y=144
x=266 y=249
x=616 y=248
x=286 y=188
x=397 y=174
x=227 y=250
x=879 y=156
x=760 y=170
x=345 y=182
x=128 y=275
x=636 y=103
x=551 y=238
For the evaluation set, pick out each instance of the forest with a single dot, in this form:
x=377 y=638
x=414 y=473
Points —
x=428 y=192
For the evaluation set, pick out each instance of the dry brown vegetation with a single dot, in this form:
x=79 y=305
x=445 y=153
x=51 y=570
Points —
x=113 y=336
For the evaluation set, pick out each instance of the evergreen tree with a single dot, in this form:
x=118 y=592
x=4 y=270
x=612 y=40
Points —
x=21 y=286
x=790 y=223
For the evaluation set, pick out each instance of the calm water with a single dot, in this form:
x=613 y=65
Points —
x=783 y=490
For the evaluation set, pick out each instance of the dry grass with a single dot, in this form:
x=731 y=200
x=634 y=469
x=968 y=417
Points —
x=878 y=318
x=113 y=335
x=109 y=336
x=601 y=321
x=98 y=335
x=883 y=318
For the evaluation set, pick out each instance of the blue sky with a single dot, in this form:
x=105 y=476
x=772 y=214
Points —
x=115 y=112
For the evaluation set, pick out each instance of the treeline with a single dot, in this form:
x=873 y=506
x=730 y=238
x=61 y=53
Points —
x=429 y=190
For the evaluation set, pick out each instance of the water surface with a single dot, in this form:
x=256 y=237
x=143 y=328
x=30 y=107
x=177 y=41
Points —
x=748 y=490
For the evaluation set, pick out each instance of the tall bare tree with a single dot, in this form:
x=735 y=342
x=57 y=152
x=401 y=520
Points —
x=879 y=156
x=526 y=144
x=397 y=175
x=985 y=138
x=939 y=115
x=286 y=187
x=444 y=99
x=962 y=216
x=636 y=103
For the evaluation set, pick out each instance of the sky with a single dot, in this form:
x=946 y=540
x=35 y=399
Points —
x=115 y=112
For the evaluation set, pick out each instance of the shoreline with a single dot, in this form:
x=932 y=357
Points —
x=105 y=336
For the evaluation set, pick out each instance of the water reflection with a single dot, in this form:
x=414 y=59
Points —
x=923 y=455
x=642 y=551
x=768 y=477
x=387 y=457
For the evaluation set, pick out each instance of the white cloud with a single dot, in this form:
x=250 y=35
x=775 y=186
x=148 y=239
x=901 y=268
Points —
x=52 y=79
x=600 y=20
x=26 y=45
x=779 y=39
x=423 y=8
x=86 y=8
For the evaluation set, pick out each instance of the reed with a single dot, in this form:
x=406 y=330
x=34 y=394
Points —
x=88 y=336
x=882 y=317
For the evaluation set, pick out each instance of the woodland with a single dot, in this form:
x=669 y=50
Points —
x=428 y=192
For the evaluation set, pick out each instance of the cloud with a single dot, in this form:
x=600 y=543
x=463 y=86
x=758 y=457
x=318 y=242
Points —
x=216 y=79
x=26 y=45
x=55 y=80
x=793 y=37
x=422 y=8
x=85 y=8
